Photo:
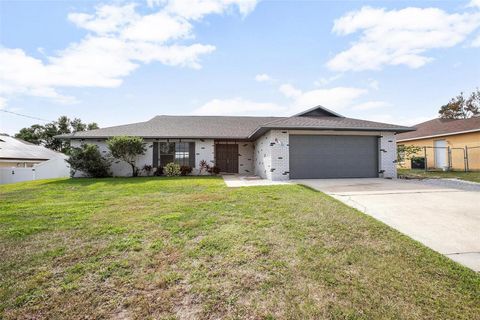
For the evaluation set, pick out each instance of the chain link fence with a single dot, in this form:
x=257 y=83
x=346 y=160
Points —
x=447 y=158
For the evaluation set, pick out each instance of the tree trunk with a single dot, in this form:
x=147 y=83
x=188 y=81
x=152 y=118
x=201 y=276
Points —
x=134 y=170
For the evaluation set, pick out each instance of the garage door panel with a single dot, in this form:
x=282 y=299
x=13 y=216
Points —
x=333 y=156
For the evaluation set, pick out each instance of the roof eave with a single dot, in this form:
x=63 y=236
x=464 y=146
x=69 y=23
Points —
x=439 y=135
x=267 y=128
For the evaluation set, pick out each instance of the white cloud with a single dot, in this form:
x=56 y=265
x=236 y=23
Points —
x=333 y=98
x=289 y=91
x=399 y=37
x=263 y=77
x=120 y=39
x=3 y=103
x=107 y=18
x=158 y=27
x=324 y=81
x=374 y=84
x=476 y=42
x=370 y=105
x=239 y=106
x=197 y=9
x=474 y=3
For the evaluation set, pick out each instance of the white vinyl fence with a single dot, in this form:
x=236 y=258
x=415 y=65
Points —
x=53 y=168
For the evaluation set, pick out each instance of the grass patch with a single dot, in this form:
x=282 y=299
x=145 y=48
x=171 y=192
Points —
x=473 y=176
x=191 y=248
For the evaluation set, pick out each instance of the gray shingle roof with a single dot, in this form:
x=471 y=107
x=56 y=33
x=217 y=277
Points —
x=182 y=127
x=219 y=127
x=329 y=123
x=11 y=148
x=439 y=126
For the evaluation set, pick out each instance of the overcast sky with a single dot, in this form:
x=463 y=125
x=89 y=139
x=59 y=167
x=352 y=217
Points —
x=122 y=62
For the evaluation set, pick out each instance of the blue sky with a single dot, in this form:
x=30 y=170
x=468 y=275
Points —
x=121 y=62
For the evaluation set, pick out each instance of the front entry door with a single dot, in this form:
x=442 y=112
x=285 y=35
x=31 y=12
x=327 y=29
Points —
x=226 y=157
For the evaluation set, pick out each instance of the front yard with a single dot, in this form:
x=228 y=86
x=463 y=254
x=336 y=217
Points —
x=191 y=248
x=473 y=176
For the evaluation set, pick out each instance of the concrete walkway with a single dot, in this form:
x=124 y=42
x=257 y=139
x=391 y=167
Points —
x=235 y=181
x=444 y=218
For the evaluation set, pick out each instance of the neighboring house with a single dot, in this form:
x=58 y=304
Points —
x=460 y=136
x=22 y=161
x=317 y=143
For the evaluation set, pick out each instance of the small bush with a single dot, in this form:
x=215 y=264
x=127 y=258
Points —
x=88 y=159
x=148 y=169
x=204 y=167
x=158 y=172
x=171 y=169
x=214 y=170
x=184 y=170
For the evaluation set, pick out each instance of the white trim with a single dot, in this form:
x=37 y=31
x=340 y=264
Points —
x=334 y=133
x=439 y=135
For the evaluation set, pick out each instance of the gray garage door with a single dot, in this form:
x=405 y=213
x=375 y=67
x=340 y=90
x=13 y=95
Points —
x=316 y=157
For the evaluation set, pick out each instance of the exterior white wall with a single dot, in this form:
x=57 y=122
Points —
x=388 y=155
x=204 y=150
x=53 y=168
x=271 y=158
x=245 y=158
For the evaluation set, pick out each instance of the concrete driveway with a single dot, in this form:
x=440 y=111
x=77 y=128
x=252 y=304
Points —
x=442 y=215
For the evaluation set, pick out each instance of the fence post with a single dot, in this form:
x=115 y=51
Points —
x=425 y=157
x=449 y=154
x=467 y=165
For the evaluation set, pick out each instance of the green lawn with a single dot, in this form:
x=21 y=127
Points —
x=473 y=176
x=187 y=248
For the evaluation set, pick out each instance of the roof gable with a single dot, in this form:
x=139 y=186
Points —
x=318 y=111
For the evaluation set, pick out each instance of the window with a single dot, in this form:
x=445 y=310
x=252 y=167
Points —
x=178 y=152
x=182 y=153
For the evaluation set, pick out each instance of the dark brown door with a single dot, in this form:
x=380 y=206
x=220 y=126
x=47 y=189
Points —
x=226 y=157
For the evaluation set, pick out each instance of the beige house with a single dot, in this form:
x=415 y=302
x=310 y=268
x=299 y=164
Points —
x=446 y=143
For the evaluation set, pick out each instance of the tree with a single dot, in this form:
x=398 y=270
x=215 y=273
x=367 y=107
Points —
x=460 y=107
x=44 y=135
x=127 y=149
x=406 y=152
x=89 y=160
x=32 y=134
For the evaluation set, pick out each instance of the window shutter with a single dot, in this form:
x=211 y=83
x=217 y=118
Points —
x=155 y=155
x=191 y=154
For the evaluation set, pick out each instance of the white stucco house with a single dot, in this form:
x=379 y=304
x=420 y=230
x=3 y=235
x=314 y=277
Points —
x=317 y=143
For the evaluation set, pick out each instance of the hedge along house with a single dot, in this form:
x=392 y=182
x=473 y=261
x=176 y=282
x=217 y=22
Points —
x=317 y=143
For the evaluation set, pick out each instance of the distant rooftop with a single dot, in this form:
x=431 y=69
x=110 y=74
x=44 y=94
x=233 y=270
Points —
x=12 y=149
x=438 y=127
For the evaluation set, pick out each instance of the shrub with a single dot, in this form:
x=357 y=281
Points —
x=127 y=149
x=184 y=170
x=88 y=159
x=204 y=167
x=148 y=169
x=214 y=170
x=158 y=172
x=171 y=169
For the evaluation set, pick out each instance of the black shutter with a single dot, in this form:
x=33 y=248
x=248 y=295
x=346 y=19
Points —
x=191 y=154
x=155 y=155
